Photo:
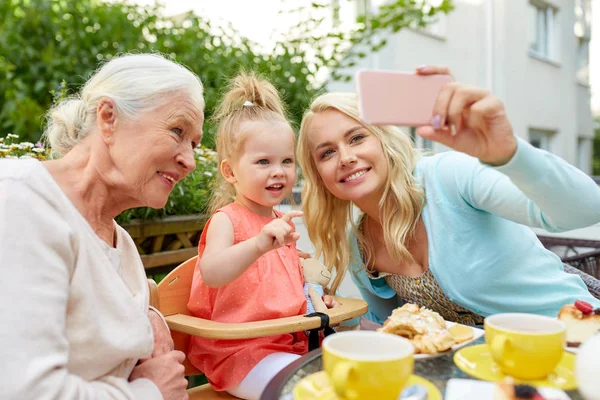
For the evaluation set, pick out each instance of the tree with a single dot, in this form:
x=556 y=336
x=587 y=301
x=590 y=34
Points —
x=47 y=41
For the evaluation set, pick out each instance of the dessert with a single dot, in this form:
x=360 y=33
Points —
x=426 y=329
x=582 y=322
x=509 y=391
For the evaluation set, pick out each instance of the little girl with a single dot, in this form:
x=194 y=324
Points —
x=248 y=268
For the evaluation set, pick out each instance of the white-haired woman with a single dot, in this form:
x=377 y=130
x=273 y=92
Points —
x=448 y=231
x=74 y=304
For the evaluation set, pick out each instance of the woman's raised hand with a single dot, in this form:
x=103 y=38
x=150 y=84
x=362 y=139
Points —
x=278 y=232
x=471 y=120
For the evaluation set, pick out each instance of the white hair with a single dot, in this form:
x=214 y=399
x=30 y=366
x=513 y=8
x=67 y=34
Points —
x=137 y=84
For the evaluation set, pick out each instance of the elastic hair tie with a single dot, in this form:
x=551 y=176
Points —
x=248 y=103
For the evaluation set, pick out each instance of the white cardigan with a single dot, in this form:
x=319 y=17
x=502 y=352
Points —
x=73 y=310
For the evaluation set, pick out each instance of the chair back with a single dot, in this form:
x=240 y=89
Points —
x=173 y=296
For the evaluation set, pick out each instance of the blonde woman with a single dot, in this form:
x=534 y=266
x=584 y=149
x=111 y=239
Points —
x=447 y=231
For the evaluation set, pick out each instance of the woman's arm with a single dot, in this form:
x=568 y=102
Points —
x=35 y=247
x=534 y=188
x=223 y=262
x=473 y=121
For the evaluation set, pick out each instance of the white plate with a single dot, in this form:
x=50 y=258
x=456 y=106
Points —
x=469 y=389
x=477 y=333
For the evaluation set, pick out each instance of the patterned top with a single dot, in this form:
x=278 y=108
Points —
x=425 y=292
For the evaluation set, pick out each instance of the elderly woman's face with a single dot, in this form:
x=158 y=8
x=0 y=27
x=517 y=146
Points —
x=155 y=151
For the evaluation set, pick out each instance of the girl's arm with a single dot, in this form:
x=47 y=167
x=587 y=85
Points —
x=223 y=262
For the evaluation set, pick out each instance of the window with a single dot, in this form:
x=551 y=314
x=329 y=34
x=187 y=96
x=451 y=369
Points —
x=543 y=26
x=541 y=138
x=583 y=30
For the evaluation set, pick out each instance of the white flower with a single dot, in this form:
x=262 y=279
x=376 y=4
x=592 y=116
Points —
x=38 y=150
x=12 y=136
x=208 y=173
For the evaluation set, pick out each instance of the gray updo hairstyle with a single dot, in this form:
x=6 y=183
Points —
x=137 y=83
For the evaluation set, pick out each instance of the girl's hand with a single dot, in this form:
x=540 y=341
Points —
x=303 y=254
x=278 y=233
x=473 y=121
x=330 y=301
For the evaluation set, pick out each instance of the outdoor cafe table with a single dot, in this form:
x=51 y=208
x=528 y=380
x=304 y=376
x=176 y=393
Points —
x=438 y=370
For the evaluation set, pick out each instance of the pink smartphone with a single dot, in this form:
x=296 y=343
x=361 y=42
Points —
x=397 y=98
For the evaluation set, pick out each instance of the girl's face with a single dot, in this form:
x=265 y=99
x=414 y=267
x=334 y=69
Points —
x=265 y=171
x=348 y=157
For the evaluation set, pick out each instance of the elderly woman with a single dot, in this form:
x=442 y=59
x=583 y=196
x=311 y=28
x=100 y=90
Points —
x=74 y=304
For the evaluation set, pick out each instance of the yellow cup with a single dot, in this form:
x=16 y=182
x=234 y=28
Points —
x=525 y=346
x=367 y=364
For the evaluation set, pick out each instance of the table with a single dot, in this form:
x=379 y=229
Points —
x=438 y=370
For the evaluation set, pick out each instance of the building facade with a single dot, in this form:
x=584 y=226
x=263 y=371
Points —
x=533 y=54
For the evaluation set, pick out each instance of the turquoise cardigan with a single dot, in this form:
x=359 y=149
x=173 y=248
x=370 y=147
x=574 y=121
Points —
x=482 y=252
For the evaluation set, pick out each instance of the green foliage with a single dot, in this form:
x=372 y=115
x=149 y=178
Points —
x=47 y=41
x=190 y=196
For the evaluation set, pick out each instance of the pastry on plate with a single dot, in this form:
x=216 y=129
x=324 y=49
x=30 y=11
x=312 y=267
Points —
x=426 y=329
x=582 y=322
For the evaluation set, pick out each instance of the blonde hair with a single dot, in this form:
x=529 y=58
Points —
x=248 y=98
x=327 y=216
x=137 y=83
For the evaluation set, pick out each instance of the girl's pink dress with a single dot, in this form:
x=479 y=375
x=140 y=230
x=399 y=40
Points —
x=270 y=288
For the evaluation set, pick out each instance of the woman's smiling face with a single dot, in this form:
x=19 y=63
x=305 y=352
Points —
x=348 y=157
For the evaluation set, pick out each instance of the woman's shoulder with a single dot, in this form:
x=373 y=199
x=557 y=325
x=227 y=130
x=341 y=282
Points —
x=29 y=175
x=20 y=169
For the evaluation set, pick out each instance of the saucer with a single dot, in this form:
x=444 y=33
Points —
x=477 y=361
x=316 y=387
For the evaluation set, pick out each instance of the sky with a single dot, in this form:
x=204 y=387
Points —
x=240 y=13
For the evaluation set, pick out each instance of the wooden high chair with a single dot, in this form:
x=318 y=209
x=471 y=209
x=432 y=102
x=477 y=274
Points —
x=171 y=297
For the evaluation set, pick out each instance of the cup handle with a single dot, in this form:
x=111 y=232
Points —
x=340 y=377
x=499 y=348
